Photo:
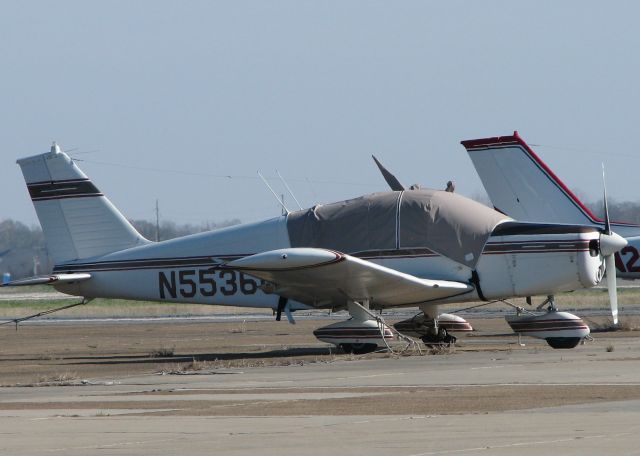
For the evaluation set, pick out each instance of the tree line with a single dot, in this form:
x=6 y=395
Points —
x=23 y=251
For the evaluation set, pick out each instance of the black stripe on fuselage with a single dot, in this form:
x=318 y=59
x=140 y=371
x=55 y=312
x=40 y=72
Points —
x=492 y=248
x=393 y=254
x=527 y=228
x=61 y=189
x=150 y=263
x=495 y=248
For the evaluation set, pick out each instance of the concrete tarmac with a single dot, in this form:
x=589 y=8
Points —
x=525 y=401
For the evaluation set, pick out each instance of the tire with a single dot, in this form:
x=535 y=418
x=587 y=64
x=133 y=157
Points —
x=563 y=342
x=443 y=338
x=358 y=349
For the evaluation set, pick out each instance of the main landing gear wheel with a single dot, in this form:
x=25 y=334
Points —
x=563 y=342
x=358 y=349
x=561 y=330
x=442 y=337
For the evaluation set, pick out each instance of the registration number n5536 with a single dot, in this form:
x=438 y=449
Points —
x=205 y=282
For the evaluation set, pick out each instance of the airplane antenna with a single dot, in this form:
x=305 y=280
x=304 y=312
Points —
x=289 y=190
x=157 y=221
x=274 y=193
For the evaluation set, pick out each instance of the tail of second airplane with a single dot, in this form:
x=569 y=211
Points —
x=521 y=185
x=78 y=221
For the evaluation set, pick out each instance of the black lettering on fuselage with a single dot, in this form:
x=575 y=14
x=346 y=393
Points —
x=230 y=285
x=208 y=286
x=187 y=284
x=190 y=282
x=167 y=285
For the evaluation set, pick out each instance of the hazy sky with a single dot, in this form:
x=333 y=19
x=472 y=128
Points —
x=172 y=95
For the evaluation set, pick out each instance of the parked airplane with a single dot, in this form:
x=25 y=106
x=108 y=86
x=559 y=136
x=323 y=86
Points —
x=418 y=248
x=521 y=185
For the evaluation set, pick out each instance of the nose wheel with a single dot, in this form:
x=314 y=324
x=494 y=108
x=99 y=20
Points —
x=438 y=336
x=563 y=342
x=561 y=330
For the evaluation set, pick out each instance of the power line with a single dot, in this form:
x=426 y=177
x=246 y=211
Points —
x=585 y=150
x=219 y=176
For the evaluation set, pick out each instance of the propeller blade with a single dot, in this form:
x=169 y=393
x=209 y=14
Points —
x=610 y=262
x=610 y=243
x=607 y=225
x=393 y=182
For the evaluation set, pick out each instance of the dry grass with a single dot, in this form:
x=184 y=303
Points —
x=58 y=379
x=247 y=363
x=210 y=366
x=14 y=305
x=162 y=352
x=606 y=326
x=47 y=357
x=629 y=323
x=196 y=365
x=113 y=308
x=442 y=349
x=240 y=329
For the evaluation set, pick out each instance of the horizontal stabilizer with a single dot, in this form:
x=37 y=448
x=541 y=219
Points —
x=47 y=280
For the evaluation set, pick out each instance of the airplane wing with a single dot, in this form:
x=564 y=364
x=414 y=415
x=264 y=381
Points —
x=321 y=277
x=50 y=279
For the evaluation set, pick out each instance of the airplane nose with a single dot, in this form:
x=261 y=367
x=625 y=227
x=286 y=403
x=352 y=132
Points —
x=611 y=243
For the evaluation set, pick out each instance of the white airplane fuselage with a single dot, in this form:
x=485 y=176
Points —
x=518 y=260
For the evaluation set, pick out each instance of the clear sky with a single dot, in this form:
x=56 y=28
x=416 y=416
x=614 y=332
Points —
x=160 y=98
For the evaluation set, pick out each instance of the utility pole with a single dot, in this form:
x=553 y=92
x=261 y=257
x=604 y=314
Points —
x=157 y=221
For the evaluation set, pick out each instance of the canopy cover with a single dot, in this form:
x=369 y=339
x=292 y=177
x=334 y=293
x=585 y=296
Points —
x=446 y=223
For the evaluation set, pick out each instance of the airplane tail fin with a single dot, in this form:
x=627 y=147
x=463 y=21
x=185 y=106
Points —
x=521 y=185
x=77 y=220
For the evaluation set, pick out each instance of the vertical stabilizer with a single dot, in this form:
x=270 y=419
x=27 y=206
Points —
x=78 y=221
x=521 y=185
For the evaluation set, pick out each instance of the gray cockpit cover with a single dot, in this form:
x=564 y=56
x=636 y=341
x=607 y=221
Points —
x=449 y=224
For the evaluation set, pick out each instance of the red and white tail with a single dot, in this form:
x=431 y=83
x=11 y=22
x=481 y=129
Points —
x=78 y=221
x=521 y=185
